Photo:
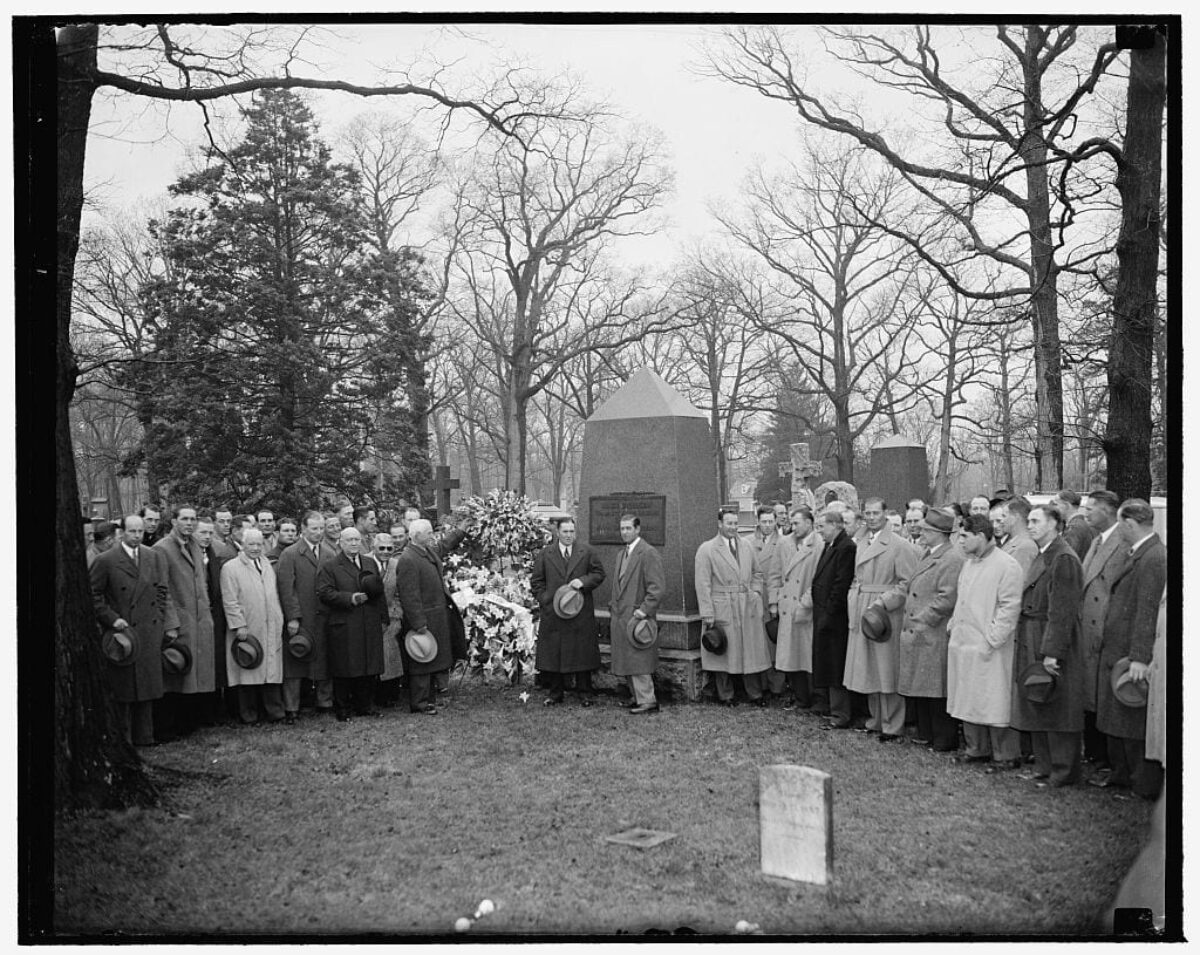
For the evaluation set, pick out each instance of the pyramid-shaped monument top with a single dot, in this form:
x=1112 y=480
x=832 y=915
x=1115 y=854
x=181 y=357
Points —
x=646 y=395
x=898 y=441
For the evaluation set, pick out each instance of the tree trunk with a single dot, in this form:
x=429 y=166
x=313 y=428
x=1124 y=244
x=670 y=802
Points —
x=941 y=484
x=93 y=765
x=1128 y=433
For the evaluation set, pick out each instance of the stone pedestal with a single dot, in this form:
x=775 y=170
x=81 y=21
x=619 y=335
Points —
x=899 y=472
x=648 y=451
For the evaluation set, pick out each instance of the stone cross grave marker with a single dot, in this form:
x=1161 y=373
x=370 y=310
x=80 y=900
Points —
x=443 y=484
x=796 y=823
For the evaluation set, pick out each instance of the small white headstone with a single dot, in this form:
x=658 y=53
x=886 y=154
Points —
x=795 y=813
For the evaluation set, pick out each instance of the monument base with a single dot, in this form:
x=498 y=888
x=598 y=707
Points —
x=678 y=674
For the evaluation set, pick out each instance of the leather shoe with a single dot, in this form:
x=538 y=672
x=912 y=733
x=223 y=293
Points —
x=837 y=725
x=630 y=704
x=426 y=709
x=761 y=702
x=970 y=759
x=552 y=701
x=890 y=738
x=644 y=708
x=1107 y=783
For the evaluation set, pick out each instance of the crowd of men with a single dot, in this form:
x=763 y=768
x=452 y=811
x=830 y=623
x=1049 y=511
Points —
x=1032 y=631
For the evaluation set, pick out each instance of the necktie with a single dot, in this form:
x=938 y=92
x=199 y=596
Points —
x=733 y=547
x=137 y=558
x=357 y=562
x=204 y=557
x=258 y=566
x=566 y=553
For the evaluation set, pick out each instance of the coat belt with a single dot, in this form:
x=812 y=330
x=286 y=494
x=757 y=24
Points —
x=874 y=588
x=730 y=590
x=1035 y=615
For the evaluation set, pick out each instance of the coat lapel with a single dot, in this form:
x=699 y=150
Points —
x=1099 y=557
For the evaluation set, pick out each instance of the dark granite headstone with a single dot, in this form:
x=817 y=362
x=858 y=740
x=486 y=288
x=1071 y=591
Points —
x=648 y=447
x=899 y=472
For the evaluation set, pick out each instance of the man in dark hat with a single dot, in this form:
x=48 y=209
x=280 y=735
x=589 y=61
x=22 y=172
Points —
x=104 y=535
x=567 y=647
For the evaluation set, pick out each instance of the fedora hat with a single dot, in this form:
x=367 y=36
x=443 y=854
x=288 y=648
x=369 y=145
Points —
x=119 y=646
x=247 y=652
x=300 y=645
x=643 y=633
x=713 y=639
x=876 y=624
x=1037 y=684
x=939 y=519
x=1129 y=692
x=772 y=628
x=568 y=602
x=370 y=583
x=421 y=645
x=177 y=659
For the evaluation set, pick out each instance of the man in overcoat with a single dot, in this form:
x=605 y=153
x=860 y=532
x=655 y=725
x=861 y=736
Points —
x=421 y=586
x=729 y=589
x=1048 y=636
x=1129 y=632
x=130 y=590
x=1014 y=518
x=296 y=579
x=636 y=590
x=832 y=577
x=882 y=566
x=567 y=648
x=794 y=649
x=212 y=558
x=188 y=697
x=351 y=588
x=251 y=598
x=1077 y=530
x=770 y=552
x=932 y=593
x=386 y=550
x=1102 y=564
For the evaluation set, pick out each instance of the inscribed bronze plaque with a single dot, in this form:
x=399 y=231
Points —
x=604 y=517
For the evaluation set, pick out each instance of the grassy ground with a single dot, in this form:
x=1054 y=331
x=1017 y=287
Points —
x=403 y=823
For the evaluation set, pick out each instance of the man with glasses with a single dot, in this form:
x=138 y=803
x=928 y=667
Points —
x=387 y=692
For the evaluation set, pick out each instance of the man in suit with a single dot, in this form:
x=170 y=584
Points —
x=769 y=551
x=567 y=647
x=1048 y=635
x=1017 y=542
x=1103 y=563
x=285 y=538
x=296 y=580
x=794 y=648
x=421 y=586
x=366 y=525
x=251 y=599
x=831 y=582
x=155 y=530
x=264 y=520
x=637 y=588
x=130 y=593
x=351 y=588
x=387 y=691
x=212 y=559
x=223 y=533
x=882 y=566
x=1077 y=532
x=1129 y=631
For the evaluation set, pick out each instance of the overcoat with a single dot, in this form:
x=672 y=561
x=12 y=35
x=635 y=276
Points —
x=188 y=582
x=794 y=649
x=1049 y=627
x=730 y=593
x=638 y=585
x=1101 y=566
x=1156 y=705
x=138 y=594
x=393 y=633
x=421 y=586
x=296 y=578
x=771 y=553
x=979 y=656
x=1078 y=533
x=881 y=571
x=1022 y=549
x=216 y=560
x=831 y=581
x=1129 y=630
x=353 y=634
x=932 y=593
x=566 y=646
x=252 y=601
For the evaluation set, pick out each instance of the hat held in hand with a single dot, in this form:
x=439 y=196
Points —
x=713 y=639
x=177 y=659
x=568 y=602
x=643 y=633
x=876 y=624
x=1037 y=683
x=247 y=652
x=119 y=646
x=1128 y=691
x=421 y=645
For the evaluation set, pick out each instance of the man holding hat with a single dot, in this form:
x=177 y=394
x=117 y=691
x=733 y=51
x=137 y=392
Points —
x=636 y=591
x=130 y=594
x=932 y=594
x=296 y=579
x=831 y=580
x=1076 y=531
x=254 y=643
x=1048 y=667
x=1126 y=650
x=564 y=575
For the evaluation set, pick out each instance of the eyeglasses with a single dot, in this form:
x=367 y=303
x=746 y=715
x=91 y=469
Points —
x=385 y=550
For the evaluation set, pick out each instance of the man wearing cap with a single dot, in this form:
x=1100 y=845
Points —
x=421 y=586
x=1077 y=531
x=832 y=577
x=1014 y=516
x=252 y=610
x=1103 y=563
x=729 y=589
x=1048 y=644
x=130 y=592
x=769 y=553
x=350 y=586
x=1129 y=632
x=794 y=650
x=296 y=581
x=187 y=700
x=932 y=593
x=568 y=637
x=882 y=567
x=387 y=691
x=636 y=590
x=979 y=656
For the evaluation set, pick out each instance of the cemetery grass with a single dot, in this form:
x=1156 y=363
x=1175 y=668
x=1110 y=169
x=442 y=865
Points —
x=401 y=824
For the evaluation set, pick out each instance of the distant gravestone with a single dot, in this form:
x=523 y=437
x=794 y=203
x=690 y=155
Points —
x=899 y=471
x=796 y=823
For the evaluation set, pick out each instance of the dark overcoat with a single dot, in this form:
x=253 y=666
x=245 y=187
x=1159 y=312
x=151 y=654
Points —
x=421 y=587
x=216 y=560
x=566 y=646
x=1049 y=627
x=831 y=619
x=1129 y=630
x=1102 y=565
x=638 y=585
x=296 y=579
x=1079 y=534
x=188 y=582
x=932 y=594
x=354 y=634
x=138 y=594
